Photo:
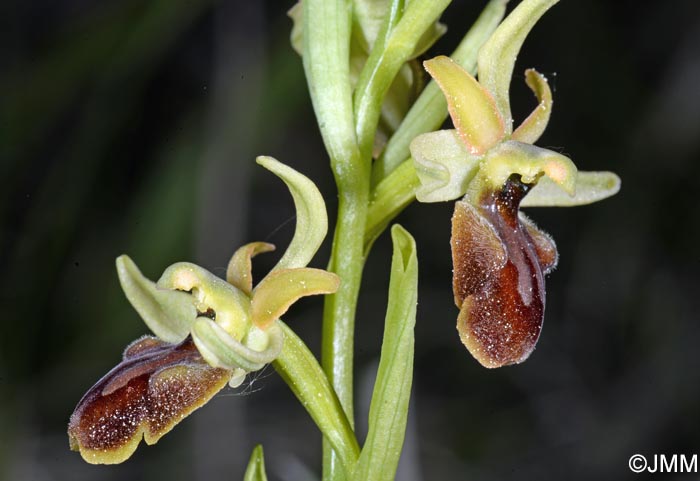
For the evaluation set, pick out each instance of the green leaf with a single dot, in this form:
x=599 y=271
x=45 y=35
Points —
x=443 y=164
x=497 y=56
x=304 y=376
x=312 y=219
x=430 y=109
x=168 y=313
x=392 y=390
x=256 y=466
x=590 y=187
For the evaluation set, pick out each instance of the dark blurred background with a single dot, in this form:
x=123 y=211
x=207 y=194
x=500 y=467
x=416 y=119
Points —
x=131 y=126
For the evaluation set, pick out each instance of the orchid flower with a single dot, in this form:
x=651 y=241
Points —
x=499 y=256
x=209 y=332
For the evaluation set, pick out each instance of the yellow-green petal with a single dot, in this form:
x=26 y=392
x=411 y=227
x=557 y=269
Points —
x=535 y=124
x=528 y=161
x=282 y=288
x=239 y=271
x=472 y=108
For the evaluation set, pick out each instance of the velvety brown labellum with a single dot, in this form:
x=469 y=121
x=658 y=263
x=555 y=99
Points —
x=499 y=259
x=155 y=386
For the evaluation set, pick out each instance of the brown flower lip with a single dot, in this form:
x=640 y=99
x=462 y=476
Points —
x=500 y=259
x=156 y=385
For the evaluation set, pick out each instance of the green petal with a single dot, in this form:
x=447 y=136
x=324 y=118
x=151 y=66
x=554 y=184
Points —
x=590 y=187
x=221 y=350
x=535 y=124
x=528 y=161
x=497 y=56
x=230 y=305
x=239 y=270
x=282 y=288
x=312 y=220
x=443 y=164
x=256 y=466
x=169 y=314
x=471 y=107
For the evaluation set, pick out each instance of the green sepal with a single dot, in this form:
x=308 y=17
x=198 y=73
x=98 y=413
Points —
x=312 y=219
x=256 y=466
x=590 y=187
x=230 y=305
x=443 y=164
x=392 y=390
x=168 y=313
x=497 y=56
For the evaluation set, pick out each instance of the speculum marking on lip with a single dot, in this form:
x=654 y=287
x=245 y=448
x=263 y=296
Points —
x=154 y=387
x=498 y=276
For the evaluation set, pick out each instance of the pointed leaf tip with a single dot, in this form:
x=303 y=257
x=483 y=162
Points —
x=256 y=466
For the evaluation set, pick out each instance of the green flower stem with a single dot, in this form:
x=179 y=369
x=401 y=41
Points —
x=326 y=63
x=430 y=109
x=394 y=46
x=388 y=198
x=302 y=373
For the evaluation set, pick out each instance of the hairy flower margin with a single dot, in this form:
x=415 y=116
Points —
x=499 y=256
x=209 y=332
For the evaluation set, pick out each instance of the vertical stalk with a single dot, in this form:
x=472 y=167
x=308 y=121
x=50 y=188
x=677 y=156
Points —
x=326 y=63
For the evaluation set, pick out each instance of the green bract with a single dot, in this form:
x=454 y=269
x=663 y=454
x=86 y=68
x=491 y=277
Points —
x=484 y=150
